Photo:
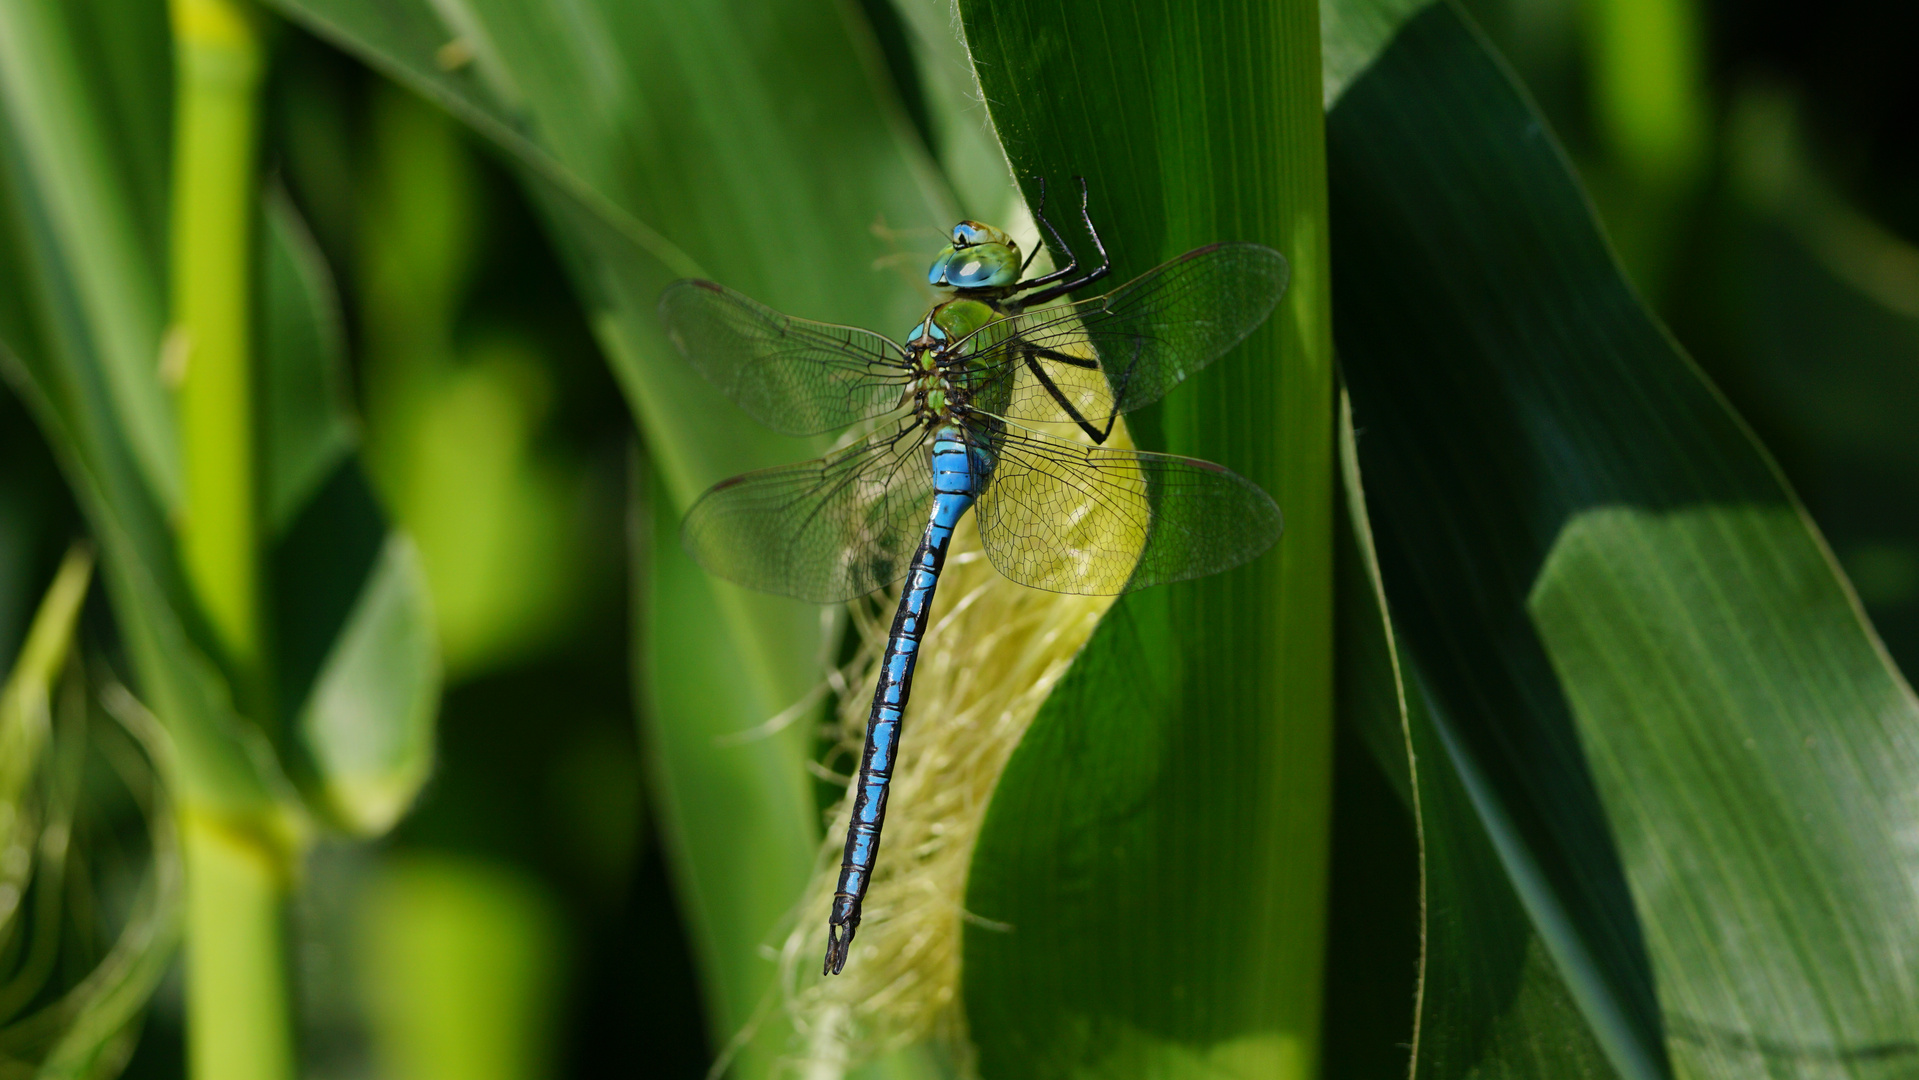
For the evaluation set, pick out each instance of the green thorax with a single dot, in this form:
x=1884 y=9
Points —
x=943 y=380
x=947 y=324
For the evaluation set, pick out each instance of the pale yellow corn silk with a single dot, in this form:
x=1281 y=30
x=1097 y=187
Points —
x=992 y=654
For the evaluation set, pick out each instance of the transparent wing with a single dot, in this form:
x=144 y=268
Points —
x=1073 y=518
x=1085 y=362
x=825 y=530
x=793 y=375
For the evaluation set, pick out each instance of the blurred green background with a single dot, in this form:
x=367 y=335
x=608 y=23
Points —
x=518 y=923
x=1754 y=164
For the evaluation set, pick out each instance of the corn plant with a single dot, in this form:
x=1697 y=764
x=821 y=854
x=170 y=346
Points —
x=1550 y=741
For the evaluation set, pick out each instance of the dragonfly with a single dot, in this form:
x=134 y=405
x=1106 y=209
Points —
x=999 y=401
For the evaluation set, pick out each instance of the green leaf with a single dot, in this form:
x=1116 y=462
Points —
x=79 y=1023
x=83 y=137
x=962 y=131
x=1157 y=842
x=306 y=421
x=1488 y=1000
x=25 y=712
x=357 y=653
x=368 y=721
x=1671 y=717
x=666 y=140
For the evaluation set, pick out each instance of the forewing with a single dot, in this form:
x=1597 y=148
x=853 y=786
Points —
x=1144 y=337
x=793 y=375
x=825 y=530
x=1074 y=518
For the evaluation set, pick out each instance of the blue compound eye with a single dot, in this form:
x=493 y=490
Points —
x=937 y=275
x=983 y=266
x=967 y=272
x=981 y=257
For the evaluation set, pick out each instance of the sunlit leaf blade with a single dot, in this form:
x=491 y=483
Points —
x=1625 y=626
x=748 y=145
x=701 y=780
x=602 y=104
x=1149 y=878
x=368 y=721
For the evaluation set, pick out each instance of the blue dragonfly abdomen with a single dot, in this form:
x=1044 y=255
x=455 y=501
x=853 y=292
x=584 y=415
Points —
x=960 y=471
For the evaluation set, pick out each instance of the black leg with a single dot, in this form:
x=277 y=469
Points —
x=1060 y=357
x=1034 y=355
x=1105 y=262
x=1072 y=260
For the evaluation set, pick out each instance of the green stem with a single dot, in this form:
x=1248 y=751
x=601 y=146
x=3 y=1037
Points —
x=219 y=69
x=239 y=1024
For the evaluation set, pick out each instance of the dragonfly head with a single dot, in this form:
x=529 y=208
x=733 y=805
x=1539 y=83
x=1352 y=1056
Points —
x=980 y=257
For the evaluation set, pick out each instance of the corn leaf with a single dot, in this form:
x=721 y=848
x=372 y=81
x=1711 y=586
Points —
x=1485 y=997
x=1671 y=717
x=1149 y=879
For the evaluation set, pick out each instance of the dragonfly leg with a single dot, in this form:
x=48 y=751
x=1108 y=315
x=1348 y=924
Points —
x=1105 y=261
x=1072 y=260
x=1119 y=387
x=1099 y=437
